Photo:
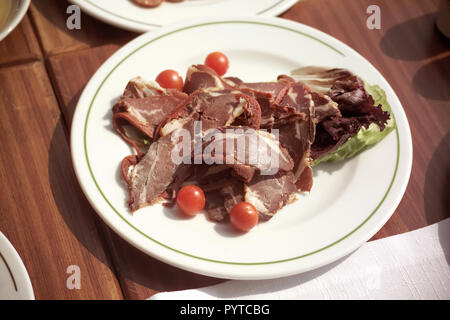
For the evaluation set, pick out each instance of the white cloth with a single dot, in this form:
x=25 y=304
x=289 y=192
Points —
x=413 y=265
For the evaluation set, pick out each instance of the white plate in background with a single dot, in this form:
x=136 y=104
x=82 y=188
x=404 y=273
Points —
x=127 y=15
x=16 y=12
x=15 y=283
x=349 y=202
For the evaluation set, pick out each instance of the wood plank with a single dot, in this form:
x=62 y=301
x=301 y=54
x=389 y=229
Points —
x=43 y=211
x=20 y=45
x=82 y=65
x=413 y=56
x=139 y=274
x=49 y=17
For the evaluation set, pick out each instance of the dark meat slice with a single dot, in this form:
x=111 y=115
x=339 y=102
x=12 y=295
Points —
x=136 y=119
x=269 y=96
x=233 y=81
x=274 y=90
x=298 y=137
x=152 y=175
x=214 y=208
x=354 y=102
x=324 y=107
x=319 y=79
x=203 y=77
x=140 y=88
x=127 y=163
x=220 y=202
x=233 y=194
x=268 y=194
x=214 y=109
x=245 y=150
x=156 y=170
x=211 y=177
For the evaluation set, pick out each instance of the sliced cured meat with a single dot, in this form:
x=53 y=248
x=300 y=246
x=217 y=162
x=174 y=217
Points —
x=140 y=88
x=220 y=202
x=275 y=90
x=126 y=165
x=319 y=79
x=136 y=119
x=233 y=81
x=156 y=170
x=355 y=101
x=268 y=194
x=214 y=109
x=211 y=177
x=356 y=106
x=245 y=150
x=233 y=194
x=152 y=175
x=297 y=137
x=269 y=95
x=324 y=107
x=215 y=211
x=201 y=76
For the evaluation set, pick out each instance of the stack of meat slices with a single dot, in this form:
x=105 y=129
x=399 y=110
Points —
x=308 y=124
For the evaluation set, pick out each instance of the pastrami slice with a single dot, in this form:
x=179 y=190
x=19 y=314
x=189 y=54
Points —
x=203 y=77
x=297 y=137
x=356 y=106
x=268 y=194
x=155 y=172
x=137 y=119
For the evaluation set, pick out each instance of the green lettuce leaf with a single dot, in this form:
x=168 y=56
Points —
x=365 y=137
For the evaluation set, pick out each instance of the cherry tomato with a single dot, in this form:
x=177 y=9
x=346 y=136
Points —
x=170 y=79
x=218 y=62
x=244 y=216
x=190 y=200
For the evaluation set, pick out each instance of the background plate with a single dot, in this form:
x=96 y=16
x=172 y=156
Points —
x=15 y=283
x=349 y=202
x=124 y=14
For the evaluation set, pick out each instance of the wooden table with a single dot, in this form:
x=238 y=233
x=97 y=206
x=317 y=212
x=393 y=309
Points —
x=43 y=69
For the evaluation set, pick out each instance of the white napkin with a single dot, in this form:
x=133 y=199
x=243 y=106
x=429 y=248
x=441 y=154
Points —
x=413 y=265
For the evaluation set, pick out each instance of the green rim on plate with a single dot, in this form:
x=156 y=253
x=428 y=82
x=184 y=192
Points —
x=9 y=271
x=203 y=258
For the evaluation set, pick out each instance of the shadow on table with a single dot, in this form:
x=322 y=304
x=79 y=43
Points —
x=69 y=198
x=399 y=44
x=98 y=31
x=437 y=190
x=432 y=80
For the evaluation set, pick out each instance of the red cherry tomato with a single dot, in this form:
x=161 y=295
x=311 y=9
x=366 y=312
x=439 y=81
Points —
x=170 y=79
x=190 y=200
x=244 y=216
x=218 y=62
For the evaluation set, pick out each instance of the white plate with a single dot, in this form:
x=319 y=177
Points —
x=348 y=204
x=15 y=283
x=18 y=10
x=124 y=14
